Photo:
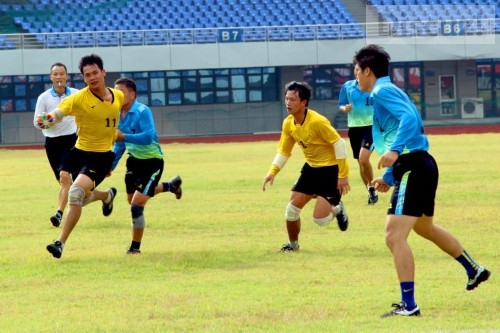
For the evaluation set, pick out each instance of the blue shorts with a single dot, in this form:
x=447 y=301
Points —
x=416 y=178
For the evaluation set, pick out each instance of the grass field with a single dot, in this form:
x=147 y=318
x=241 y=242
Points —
x=209 y=261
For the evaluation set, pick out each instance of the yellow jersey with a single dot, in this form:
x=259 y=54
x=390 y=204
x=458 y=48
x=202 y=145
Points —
x=315 y=137
x=97 y=120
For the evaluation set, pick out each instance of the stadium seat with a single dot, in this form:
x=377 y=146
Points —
x=328 y=32
x=205 y=36
x=130 y=38
x=181 y=37
x=304 y=33
x=108 y=38
x=157 y=37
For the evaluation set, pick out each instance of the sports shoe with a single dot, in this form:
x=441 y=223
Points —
x=55 y=248
x=133 y=251
x=288 y=248
x=56 y=219
x=372 y=196
x=401 y=310
x=107 y=208
x=176 y=188
x=342 y=219
x=482 y=275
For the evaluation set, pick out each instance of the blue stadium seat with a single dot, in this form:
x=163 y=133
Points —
x=328 y=32
x=181 y=37
x=130 y=38
x=304 y=33
x=157 y=37
x=254 y=34
x=58 y=40
x=83 y=39
x=111 y=38
x=205 y=36
x=279 y=33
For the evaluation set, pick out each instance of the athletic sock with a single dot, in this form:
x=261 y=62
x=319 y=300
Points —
x=135 y=245
x=469 y=264
x=108 y=199
x=408 y=294
x=59 y=212
x=166 y=186
x=294 y=245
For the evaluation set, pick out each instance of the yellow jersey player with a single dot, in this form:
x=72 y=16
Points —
x=325 y=173
x=96 y=109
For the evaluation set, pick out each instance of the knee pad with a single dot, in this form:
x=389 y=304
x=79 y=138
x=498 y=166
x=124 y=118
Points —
x=89 y=199
x=292 y=213
x=76 y=194
x=138 y=221
x=324 y=220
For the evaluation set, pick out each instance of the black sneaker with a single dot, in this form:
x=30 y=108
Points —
x=133 y=251
x=56 y=219
x=176 y=187
x=288 y=248
x=55 y=248
x=342 y=219
x=107 y=208
x=401 y=310
x=372 y=196
x=482 y=275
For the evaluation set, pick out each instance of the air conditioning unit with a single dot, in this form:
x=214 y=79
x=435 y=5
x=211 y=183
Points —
x=472 y=107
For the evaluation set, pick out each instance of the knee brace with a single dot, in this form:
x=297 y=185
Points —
x=292 y=213
x=76 y=195
x=324 y=220
x=89 y=199
x=138 y=221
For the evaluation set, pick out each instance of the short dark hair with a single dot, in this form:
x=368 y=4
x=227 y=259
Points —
x=59 y=64
x=129 y=83
x=301 y=88
x=92 y=59
x=374 y=57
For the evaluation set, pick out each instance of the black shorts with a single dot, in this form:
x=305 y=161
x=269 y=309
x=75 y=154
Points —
x=360 y=137
x=320 y=181
x=57 y=150
x=416 y=178
x=143 y=175
x=95 y=165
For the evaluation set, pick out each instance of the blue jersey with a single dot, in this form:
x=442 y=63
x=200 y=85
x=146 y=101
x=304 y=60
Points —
x=140 y=138
x=362 y=112
x=397 y=124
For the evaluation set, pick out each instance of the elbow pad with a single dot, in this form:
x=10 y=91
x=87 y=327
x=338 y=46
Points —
x=340 y=149
x=280 y=160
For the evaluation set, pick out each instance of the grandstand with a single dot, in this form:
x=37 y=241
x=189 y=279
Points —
x=199 y=83
x=137 y=22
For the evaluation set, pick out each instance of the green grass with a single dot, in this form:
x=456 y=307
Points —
x=209 y=261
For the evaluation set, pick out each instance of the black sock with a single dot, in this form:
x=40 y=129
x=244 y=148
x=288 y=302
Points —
x=135 y=245
x=166 y=186
x=59 y=212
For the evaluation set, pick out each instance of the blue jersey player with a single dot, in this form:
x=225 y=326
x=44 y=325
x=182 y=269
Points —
x=399 y=138
x=137 y=134
x=359 y=111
